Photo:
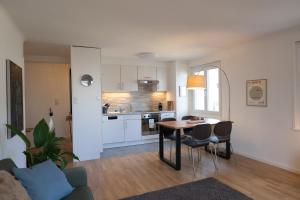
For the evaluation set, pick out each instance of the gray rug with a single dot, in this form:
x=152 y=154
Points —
x=207 y=189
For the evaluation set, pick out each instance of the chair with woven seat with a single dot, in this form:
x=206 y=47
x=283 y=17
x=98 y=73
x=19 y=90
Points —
x=199 y=138
x=222 y=132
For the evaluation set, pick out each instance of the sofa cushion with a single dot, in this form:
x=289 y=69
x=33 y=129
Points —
x=80 y=193
x=44 y=181
x=10 y=188
x=7 y=165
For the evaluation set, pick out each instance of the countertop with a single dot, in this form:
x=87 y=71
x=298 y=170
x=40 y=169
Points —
x=138 y=113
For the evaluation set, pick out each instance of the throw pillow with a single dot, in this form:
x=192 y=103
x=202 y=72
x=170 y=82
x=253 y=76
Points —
x=10 y=188
x=44 y=181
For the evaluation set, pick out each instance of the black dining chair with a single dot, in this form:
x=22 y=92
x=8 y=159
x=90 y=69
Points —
x=188 y=131
x=199 y=138
x=222 y=132
x=169 y=133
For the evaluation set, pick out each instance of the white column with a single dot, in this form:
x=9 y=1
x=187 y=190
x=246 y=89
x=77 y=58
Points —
x=86 y=103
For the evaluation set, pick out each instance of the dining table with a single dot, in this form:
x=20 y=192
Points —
x=181 y=125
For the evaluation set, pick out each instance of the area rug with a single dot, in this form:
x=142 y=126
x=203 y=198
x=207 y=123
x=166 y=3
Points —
x=206 y=189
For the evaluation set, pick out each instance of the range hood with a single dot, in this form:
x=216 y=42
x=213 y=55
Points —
x=148 y=85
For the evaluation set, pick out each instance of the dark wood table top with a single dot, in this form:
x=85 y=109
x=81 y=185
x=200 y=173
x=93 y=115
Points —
x=182 y=124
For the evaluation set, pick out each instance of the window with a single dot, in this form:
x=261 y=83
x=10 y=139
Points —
x=208 y=99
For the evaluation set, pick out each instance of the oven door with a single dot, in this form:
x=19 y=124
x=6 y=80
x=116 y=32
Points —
x=149 y=125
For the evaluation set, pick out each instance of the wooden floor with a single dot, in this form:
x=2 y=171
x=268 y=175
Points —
x=119 y=177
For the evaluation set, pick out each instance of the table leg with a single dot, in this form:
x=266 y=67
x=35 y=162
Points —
x=161 y=146
x=177 y=164
x=178 y=150
x=228 y=152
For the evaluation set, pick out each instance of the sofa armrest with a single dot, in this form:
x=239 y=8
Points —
x=76 y=176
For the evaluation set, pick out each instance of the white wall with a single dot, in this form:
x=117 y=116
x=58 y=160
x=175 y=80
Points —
x=171 y=84
x=86 y=103
x=177 y=76
x=11 y=47
x=182 y=103
x=263 y=133
x=47 y=85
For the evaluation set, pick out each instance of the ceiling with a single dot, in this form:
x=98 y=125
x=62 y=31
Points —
x=173 y=29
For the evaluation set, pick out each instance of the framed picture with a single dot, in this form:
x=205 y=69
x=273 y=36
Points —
x=14 y=90
x=256 y=92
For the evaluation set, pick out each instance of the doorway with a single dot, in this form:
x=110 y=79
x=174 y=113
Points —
x=47 y=86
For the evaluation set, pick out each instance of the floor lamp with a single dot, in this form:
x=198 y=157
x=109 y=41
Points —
x=199 y=81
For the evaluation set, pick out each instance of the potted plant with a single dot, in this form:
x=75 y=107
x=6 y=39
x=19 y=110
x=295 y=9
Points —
x=46 y=146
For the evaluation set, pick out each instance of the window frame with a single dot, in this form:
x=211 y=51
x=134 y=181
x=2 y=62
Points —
x=206 y=112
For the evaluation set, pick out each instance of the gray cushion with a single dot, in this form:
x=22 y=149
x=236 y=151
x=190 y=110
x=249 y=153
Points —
x=80 y=193
x=192 y=142
x=218 y=139
x=7 y=165
x=77 y=176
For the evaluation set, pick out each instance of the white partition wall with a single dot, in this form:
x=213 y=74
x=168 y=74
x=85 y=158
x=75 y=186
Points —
x=86 y=103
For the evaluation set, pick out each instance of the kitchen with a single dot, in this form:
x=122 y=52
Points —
x=134 y=98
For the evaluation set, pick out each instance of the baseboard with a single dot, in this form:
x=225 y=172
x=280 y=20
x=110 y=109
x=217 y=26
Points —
x=125 y=144
x=275 y=164
x=85 y=157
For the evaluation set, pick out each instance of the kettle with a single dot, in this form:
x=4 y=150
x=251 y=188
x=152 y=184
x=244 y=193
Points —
x=160 y=107
x=105 y=108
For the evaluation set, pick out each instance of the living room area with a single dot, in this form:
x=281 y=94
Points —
x=145 y=100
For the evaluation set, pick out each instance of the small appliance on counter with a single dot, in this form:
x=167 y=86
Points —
x=160 y=106
x=105 y=108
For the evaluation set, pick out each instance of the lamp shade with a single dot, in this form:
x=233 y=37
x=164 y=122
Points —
x=195 y=81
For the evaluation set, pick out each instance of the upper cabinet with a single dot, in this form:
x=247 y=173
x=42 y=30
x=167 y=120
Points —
x=111 y=78
x=129 y=78
x=162 y=77
x=147 y=72
x=124 y=78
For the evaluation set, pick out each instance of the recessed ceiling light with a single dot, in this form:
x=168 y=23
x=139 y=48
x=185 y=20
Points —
x=146 y=55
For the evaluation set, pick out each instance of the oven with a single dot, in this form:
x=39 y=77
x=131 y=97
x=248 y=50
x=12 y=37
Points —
x=149 y=126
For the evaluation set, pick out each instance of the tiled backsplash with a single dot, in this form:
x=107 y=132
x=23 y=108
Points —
x=136 y=100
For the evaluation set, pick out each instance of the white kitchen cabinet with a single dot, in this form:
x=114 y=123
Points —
x=133 y=130
x=162 y=77
x=113 y=130
x=111 y=78
x=122 y=128
x=147 y=72
x=129 y=78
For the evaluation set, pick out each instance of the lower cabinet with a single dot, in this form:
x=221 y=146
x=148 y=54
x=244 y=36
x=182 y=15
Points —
x=113 y=131
x=133 y=130
x=121 y=128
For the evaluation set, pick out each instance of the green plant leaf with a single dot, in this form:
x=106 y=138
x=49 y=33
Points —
x=59 y=160
x=40 y=133
x=70 y=154
x=20 y=134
